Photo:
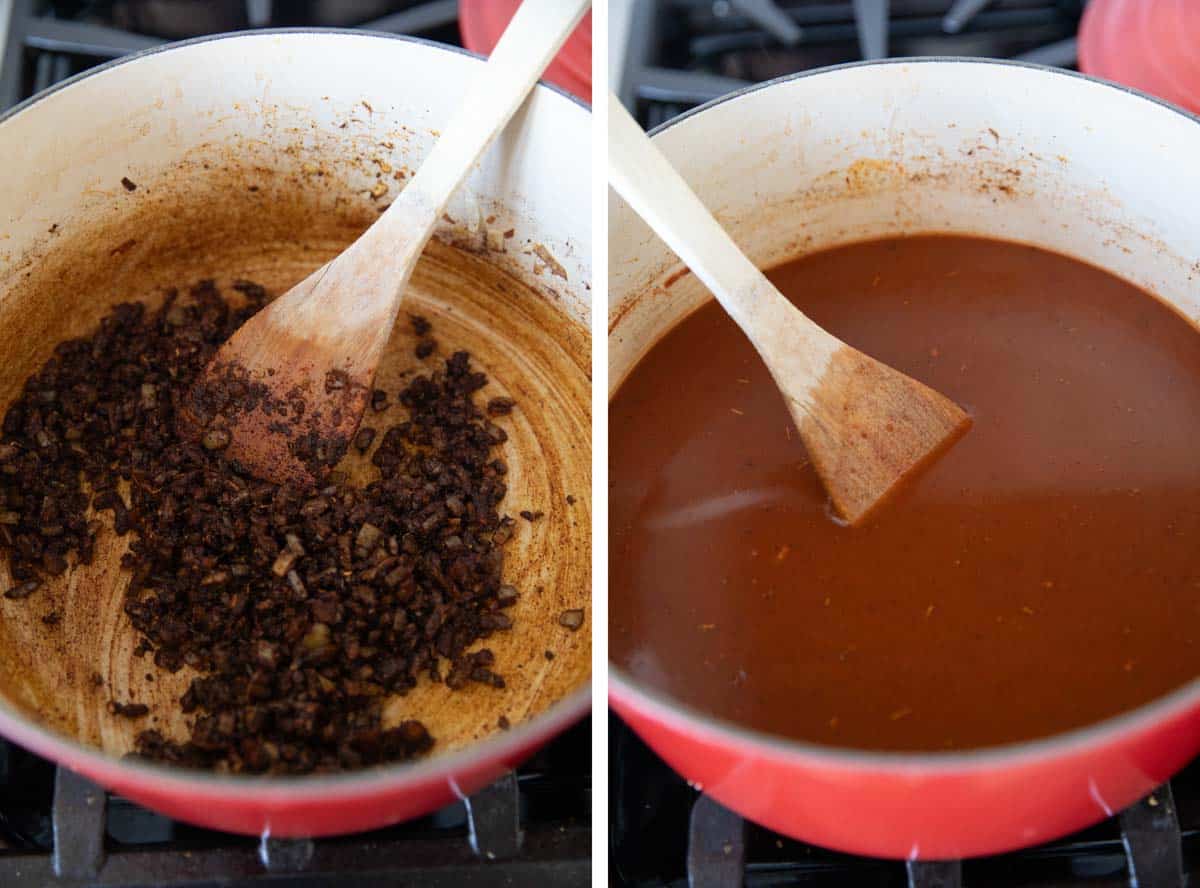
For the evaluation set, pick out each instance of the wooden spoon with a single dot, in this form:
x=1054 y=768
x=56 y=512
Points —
x=286 y=393
x=866 y=426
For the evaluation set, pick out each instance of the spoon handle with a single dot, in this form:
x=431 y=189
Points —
x=793 y=347
x=529 y=43
x=865 y=426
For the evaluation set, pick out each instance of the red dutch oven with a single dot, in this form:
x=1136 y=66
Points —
x=483 y=21
x=1103 y=174
x=1152 y=46
x=259 y=156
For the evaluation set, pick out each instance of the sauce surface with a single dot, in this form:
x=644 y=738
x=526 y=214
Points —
x=1043 y=574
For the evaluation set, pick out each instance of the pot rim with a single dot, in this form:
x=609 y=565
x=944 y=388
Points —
x=499 y=746
x=918 y=60
x=664 y=707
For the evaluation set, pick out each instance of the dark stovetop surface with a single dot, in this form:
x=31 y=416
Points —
x=681 y=53
x=50 y=40
x=531 y=828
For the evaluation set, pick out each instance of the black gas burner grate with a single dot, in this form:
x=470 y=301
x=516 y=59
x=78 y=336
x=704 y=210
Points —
x=681 y=53
x=532 y=827
x=664 y=834
x=50 y=40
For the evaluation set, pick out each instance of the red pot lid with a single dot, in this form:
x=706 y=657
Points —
x=1152 y=45
x=483 y=21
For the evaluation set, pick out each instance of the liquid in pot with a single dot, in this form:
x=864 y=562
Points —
x=1042 y=575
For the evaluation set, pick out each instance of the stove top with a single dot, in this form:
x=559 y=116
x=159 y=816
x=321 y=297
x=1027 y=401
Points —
x=530 y=828
x=682 y=53
x=664 y=834
x=50 y=40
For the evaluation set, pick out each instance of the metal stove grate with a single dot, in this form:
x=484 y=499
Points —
x=50 y=40
x=682 y=53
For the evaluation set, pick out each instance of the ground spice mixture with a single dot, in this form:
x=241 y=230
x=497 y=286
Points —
x=300 y=609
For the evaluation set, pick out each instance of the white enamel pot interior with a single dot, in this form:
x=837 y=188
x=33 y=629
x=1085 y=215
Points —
x=261 y=155
x=994 y=149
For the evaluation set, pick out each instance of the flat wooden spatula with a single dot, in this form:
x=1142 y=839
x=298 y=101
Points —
x=286 y=393
x=866 y=426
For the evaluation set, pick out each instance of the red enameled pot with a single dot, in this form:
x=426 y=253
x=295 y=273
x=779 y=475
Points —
x=995 y=149
x=259 y=155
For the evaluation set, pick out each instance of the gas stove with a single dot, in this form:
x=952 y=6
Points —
x=531 y=828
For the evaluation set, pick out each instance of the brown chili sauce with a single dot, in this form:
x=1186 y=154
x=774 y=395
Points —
x=1042 y=575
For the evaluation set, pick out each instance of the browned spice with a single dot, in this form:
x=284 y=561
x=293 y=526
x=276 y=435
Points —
x=500 y=406
x=420 y=325
x=128 y=710
x=301 y=609
x=572 y=619
x=24 y=590
x=364 y=439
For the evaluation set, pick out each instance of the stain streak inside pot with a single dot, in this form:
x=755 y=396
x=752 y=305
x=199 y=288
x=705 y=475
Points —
x=1042 y=575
